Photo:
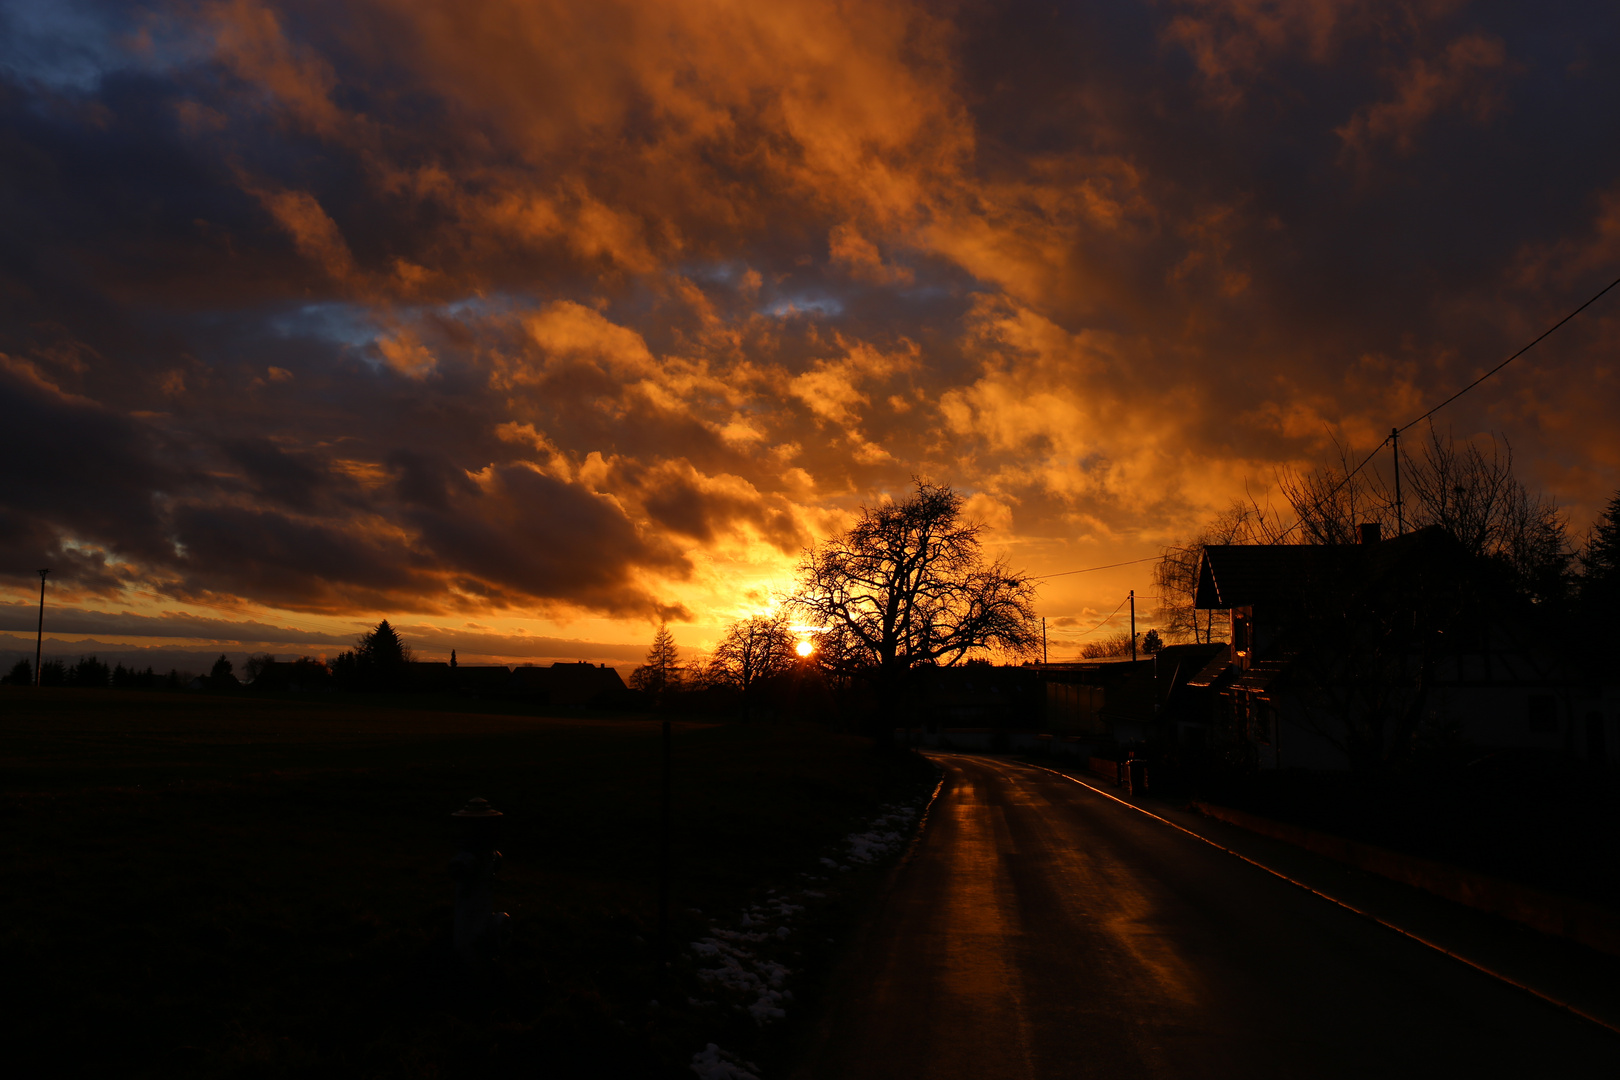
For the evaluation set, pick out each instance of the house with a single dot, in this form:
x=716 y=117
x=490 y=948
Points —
x=584 y=683
x=1344 y=654
x=1125 y=702
x=1090 y=699
x=567 y=684
x=977 y=695
x=483 y=680
x=430 y=676
x=529 y=681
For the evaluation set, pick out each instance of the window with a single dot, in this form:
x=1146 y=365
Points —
x=1240 y=631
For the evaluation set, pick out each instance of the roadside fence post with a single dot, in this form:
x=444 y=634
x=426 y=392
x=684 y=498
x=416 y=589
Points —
x=479 y=932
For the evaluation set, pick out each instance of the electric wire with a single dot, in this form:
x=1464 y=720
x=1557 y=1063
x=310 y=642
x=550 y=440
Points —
x=1539 y=338
x=1089 y=569
x=1544 y=334
x=1110 y=615
x=1286 y=532
x=1323 y=501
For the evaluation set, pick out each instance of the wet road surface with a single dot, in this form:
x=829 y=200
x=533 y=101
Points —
x=1043 y=930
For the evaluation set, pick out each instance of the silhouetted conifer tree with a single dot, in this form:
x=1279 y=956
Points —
x=89 y=672
x=223 y=674
x=661 y=674
x=1599 y=589
x=380 y=660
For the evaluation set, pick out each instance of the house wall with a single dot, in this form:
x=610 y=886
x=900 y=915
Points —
x=1609 y=708
x=1548 y=718
x=1542 y=717
x=1074 y=708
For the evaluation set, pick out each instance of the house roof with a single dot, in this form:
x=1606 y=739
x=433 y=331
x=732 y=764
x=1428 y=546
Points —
x=484 y=674
x=1242 y=575
x=1259 y=678
x=529 y=677
x=585 y=674
x=1219 y=666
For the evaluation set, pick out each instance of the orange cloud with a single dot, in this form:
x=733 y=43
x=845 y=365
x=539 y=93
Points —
x=599 y=310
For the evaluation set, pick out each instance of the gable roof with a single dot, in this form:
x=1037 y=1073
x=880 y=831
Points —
x=1242 y=575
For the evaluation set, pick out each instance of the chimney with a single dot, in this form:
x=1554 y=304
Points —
x=1370 y=532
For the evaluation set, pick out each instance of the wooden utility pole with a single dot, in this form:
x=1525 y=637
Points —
x=1043 y=640
x=39 y=640
x=1395 y=449
x=665 y=858
x=1133 y=624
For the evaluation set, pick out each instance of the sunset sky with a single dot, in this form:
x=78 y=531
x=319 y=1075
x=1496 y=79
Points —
x=526 y=324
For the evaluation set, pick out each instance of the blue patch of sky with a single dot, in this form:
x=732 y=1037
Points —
x=805 y=305
x=64 y=45
x=493 y=306
x=339 y=322
x=70 y=46
x=726 y=272
x=358 y=326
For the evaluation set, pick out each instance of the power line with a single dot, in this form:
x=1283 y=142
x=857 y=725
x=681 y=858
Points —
x=1110 y=615
x=1544 y=334
x=1539 y=338
x=1089 y=569
x=1336 y=487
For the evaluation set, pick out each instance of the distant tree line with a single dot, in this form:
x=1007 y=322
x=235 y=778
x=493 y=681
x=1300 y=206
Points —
x=906 y=587
x=380 y=660
x=90 y=672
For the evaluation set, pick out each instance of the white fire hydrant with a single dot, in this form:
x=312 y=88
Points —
x=479 y=932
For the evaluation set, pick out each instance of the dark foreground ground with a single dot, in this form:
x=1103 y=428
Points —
x=199 y=886
x=1045 y=930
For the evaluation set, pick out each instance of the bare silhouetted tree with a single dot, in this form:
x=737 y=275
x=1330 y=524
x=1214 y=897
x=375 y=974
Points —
x=1469 y=489
x=1176 y=573
x=908 y=584
x=751 y=649
x=1599 y=586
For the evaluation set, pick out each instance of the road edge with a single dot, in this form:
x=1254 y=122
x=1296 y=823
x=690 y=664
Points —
x=843 y=970
x=1420 y=939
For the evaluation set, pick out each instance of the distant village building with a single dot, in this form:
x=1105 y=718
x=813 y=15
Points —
x=482 y=680
x=430 y=676
x=565 y=684
x=1126 y=702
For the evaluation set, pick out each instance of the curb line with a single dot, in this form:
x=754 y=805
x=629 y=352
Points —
x=1497 y=975
x=1580 y=921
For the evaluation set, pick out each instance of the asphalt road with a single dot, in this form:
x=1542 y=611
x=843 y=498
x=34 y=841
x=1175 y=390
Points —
x=1041 y=929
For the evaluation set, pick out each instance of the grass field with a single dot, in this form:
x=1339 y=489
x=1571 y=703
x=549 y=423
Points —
x=223 y=886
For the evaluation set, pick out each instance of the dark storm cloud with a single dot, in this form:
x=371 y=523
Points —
x=22 y=617
x=511 y=305
x=77 y=470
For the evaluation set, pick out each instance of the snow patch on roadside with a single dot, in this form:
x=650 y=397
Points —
x=883 y=837
x=751 y=980
x=713 y=1063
